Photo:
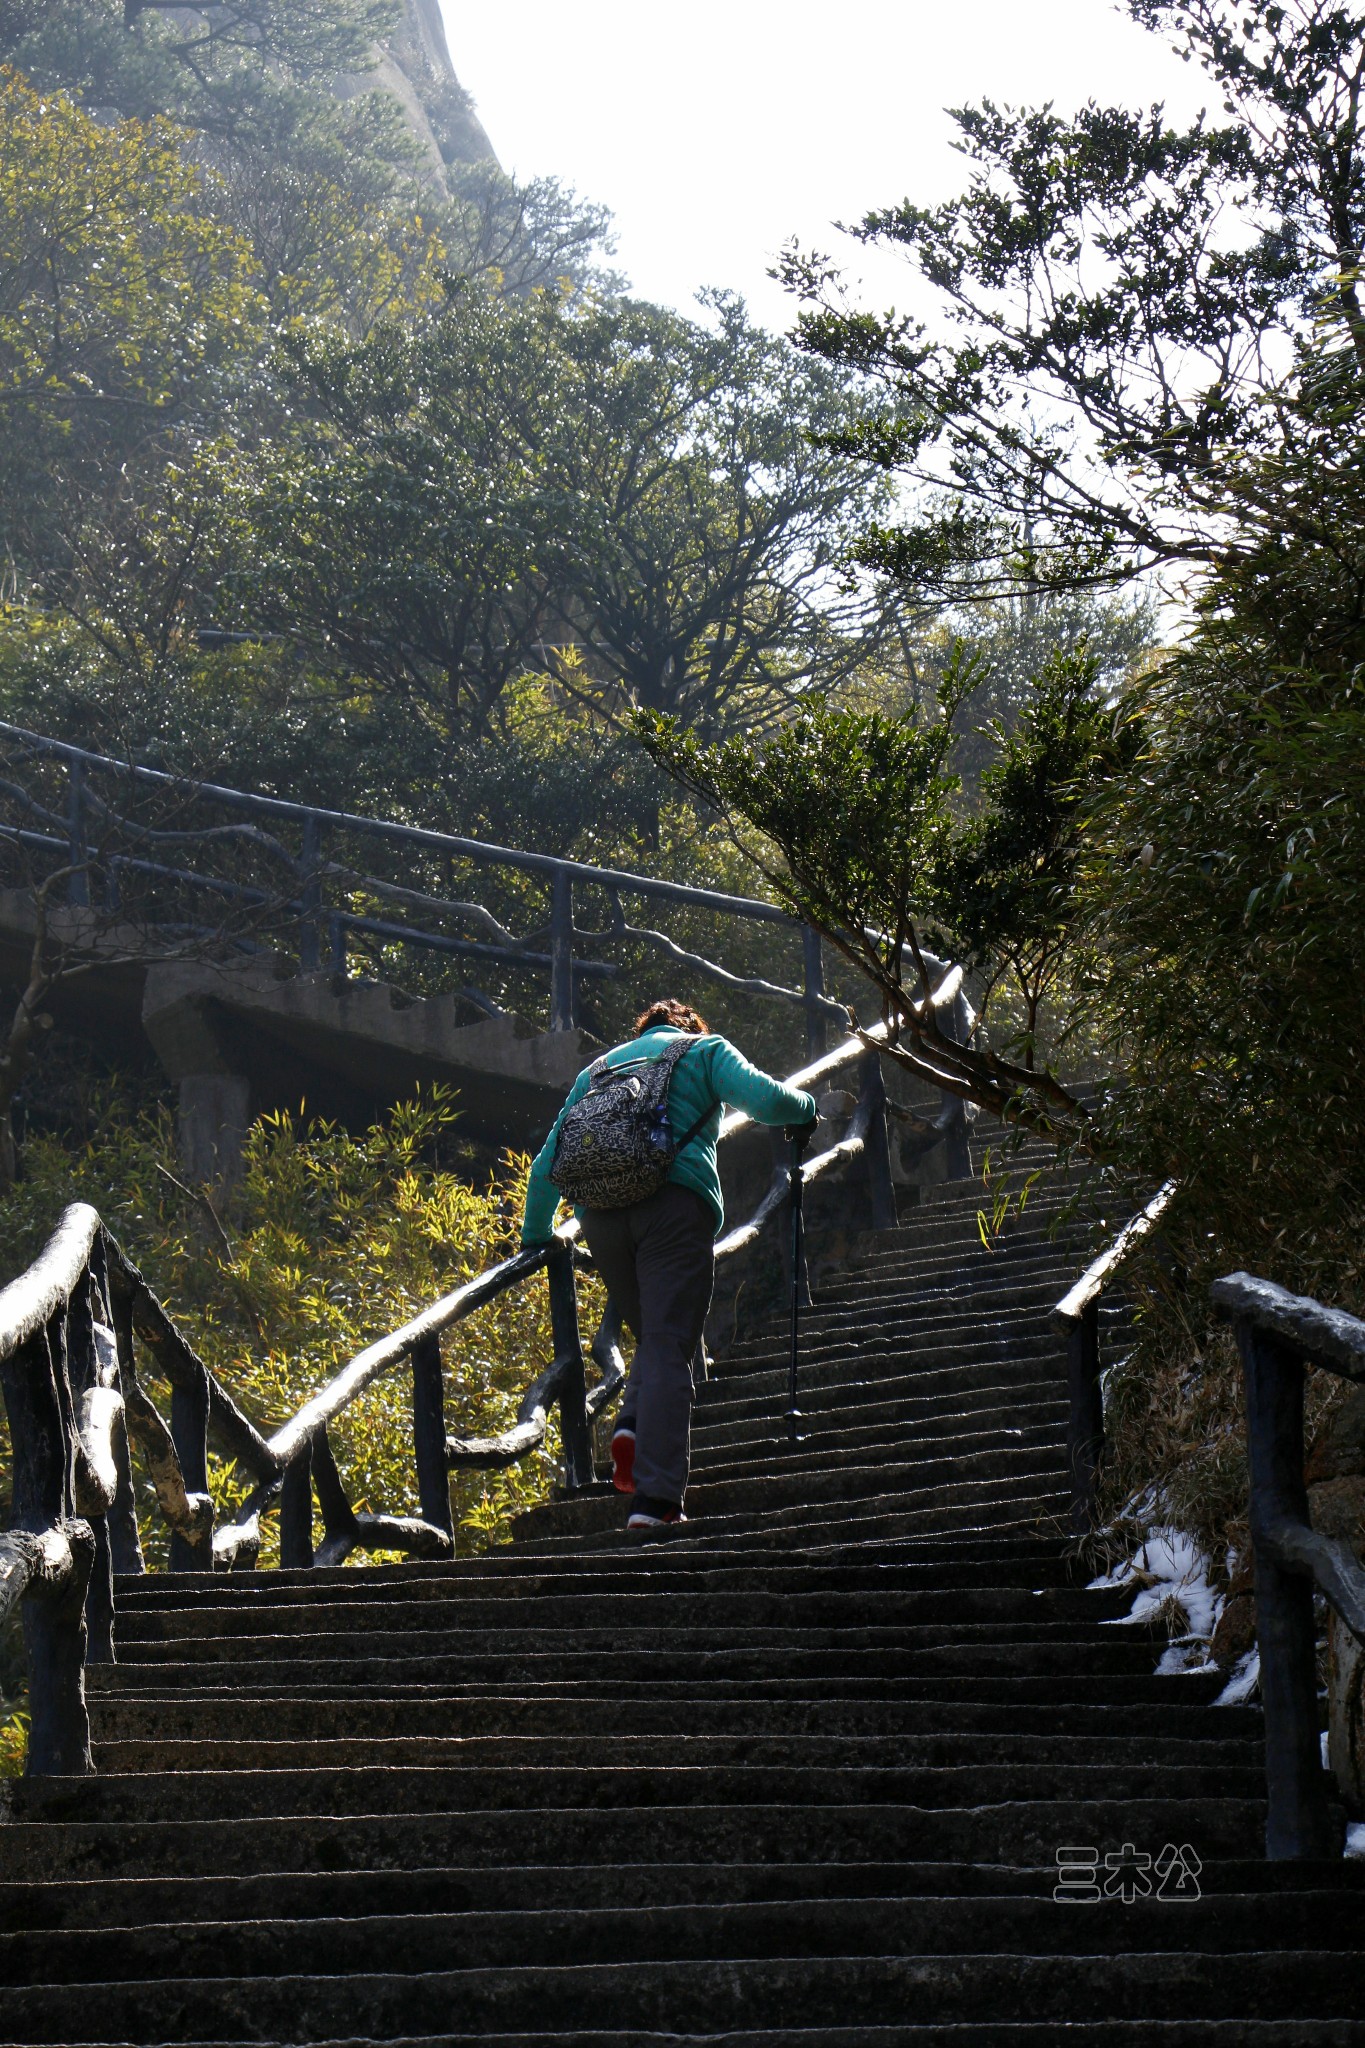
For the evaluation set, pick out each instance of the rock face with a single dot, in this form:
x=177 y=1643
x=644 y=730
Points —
x=414 y=65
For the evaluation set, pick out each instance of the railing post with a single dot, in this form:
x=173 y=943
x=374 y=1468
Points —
x=1299 y=1819
x=190 y=1435
x=574 y=1428
x=817 y=1032
x=956 y=1137
x=429 y=1435
x=337 y=1519
x=561 y=952
x=54 y=1617
x=78 y=882
x=876 y=1145
x=82 y=1374
x=125 y=1545
x=310 y=935
x=1085 y=1426
x=296 y=1513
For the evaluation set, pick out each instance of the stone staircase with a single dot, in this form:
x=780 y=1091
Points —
x=798 y=1773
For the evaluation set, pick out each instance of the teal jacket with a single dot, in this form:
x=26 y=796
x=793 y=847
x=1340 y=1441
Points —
x=710 y=1073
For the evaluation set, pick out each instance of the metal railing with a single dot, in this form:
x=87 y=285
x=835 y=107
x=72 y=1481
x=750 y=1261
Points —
x=70 y=1331
x=104 y=851
x=1278 y=1335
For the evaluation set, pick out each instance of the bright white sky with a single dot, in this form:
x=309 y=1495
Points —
x=719 y=129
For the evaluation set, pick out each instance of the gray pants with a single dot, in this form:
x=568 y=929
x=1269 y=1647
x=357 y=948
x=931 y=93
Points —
x=657 y=1260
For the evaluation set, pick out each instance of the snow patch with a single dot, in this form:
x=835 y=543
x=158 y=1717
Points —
x=1246 y=1676
x=1355 y=1838
x=1170 y=1566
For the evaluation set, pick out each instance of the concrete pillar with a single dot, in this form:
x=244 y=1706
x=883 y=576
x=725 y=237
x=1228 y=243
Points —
x=215 y=1112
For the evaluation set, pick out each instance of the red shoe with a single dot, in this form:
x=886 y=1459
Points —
x=623 y=1461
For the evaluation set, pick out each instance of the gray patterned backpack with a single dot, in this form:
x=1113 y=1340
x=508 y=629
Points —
x=616 y=1144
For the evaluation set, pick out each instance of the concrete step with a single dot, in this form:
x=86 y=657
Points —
x=792 y=1775
x=717 y=1615
x=985 y=1688
x=1023 y=1831
x=462 y=1789
x=1281 y=2033
x=698 y=1996
x=412 y=1713
x=775 y=1455
x=958 y=1750
x=875 y=1374
x=509 y=1571
x=964 y=1651
x=895 y=1333
x=1024 y=1500
x=1011 y=1404
x=130 y=1902
x=743 y=1930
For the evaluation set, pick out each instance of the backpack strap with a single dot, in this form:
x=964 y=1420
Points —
x=673 y=1054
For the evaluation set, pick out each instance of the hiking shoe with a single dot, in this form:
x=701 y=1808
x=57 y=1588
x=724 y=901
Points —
x=623 y=1461
x=653 y=1514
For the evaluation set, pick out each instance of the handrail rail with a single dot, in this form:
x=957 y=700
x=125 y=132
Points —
x=378 y=1358
x=1278 y=1334
x=296 y=899
x=1077 y=1317
x=484 y=851
x=1100 y=1271
x=68 y=1365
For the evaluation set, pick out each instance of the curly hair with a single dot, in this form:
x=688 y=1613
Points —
x=666 y=1011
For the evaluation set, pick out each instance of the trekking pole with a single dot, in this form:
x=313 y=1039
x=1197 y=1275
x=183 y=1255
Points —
x=797 y=1139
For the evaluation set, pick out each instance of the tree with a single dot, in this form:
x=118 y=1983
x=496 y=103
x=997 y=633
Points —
x=854 y=819
x=331 y=1240
x=507 y=480
x=341 y=192
x=539 y=236
x=1007 y=641
x=713 y=576
x=1225 y=911
x=122 y=303
x=1116 y=297
x=216 y=70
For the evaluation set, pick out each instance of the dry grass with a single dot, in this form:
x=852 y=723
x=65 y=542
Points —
x=1176 y=1427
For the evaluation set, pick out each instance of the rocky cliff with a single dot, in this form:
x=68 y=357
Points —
x=413 y=63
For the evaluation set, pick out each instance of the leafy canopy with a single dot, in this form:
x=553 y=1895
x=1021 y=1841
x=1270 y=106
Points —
x=855 y=819
x=1225 y=900
x=1111 y=298
x=471 y=494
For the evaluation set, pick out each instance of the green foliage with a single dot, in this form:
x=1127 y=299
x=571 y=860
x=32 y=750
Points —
x=13 y=1743
x=1227 y=882
x=331 y=1241
x=1106 y=295
x=343 y=197
x=238 y=74
x=119 y=299
x=863 y=833
x=471 y=495
x=1008 y=641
